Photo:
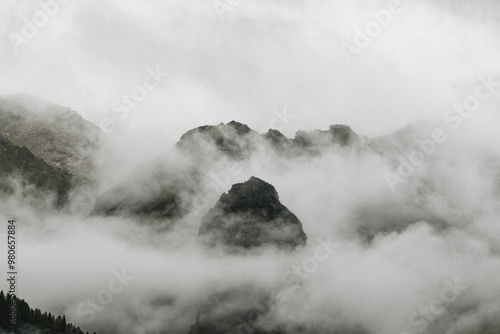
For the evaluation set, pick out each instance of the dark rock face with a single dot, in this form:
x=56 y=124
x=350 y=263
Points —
x=20 y=162
x=251 y=215
x=343 y=134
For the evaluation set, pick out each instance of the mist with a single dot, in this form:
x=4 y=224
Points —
x=418 y=254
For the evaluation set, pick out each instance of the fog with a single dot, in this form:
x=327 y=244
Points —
x=394 y=250
x=68 y=257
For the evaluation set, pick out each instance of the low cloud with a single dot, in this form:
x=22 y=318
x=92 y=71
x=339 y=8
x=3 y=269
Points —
x=395 y=249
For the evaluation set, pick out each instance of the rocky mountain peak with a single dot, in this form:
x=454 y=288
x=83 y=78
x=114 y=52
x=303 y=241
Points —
x=241 y=129
x=251 y=215
x=233 y=139
x=343 y=134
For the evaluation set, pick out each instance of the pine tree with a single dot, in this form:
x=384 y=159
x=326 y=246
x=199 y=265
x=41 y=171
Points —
x=62 y=325
x=3 y=310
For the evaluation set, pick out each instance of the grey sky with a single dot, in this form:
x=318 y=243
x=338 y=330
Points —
x=265 y=54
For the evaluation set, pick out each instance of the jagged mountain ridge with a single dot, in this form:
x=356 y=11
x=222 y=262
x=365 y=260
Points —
x=238 y=141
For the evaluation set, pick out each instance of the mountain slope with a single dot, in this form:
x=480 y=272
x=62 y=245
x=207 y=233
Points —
x=55 y=134
x=21 y=163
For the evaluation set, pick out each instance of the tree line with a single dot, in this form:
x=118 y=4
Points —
x=26 y=318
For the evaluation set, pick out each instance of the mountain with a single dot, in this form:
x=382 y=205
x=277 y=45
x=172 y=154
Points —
x=37 y=177
x=237 y=141
x=251 y=215
x=57 y=135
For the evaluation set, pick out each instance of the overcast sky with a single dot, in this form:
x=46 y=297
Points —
x=259 y=57
x=252 y=61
